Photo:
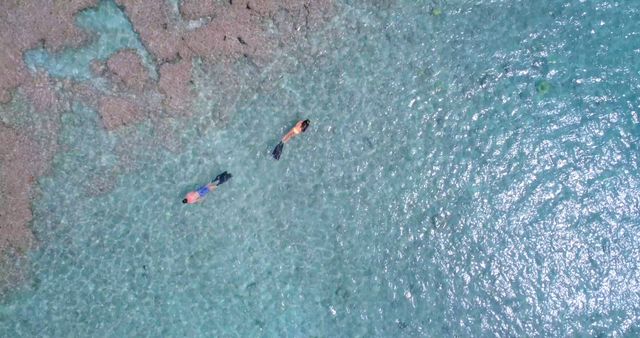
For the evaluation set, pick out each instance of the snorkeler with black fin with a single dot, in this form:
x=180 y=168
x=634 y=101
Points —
x=200 y=193
x=299 y=128
x=278 y=150
x=225 y=176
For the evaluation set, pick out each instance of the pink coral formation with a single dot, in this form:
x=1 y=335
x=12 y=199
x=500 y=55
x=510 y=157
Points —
x=127 y=72
x=21 y=162
x=27 y=24
x=118 y=111
x=153 y=21
x=232 y=30
x=196 y=9
x=175 y=84
x=25 y=154
x=127 y=67
x=19 y=170
x=228 y=31
x=39 y=89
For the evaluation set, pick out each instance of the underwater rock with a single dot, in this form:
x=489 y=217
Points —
x=543 y=87
x=236 y=30
x=116 y=112
x=21 y=162
x=26 y=151
x=221 y=38
x=98 y=67
x=40 y=91
x=159 y=30
x=175 y=84
x=27 y=24
x=197 y=9
x=18 y=170
x=126 y=65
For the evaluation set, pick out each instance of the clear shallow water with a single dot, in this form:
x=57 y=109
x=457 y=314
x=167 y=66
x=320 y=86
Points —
x=436 y=193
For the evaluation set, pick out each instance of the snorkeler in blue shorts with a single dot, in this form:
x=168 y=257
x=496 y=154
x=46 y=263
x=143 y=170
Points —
x=200 y=193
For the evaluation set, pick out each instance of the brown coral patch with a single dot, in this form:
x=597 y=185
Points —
x=175 y=83
x=156 y=26
x=21 y=161
x=117 y=111
x=197 y=9
x=127 y=67
x=41 y=92
x=27 y=24
x=233 y=30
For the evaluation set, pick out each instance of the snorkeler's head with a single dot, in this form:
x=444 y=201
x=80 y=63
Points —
x=305 y=125
x=184 y=200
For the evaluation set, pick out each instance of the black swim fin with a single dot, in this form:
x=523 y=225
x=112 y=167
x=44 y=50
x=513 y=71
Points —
x=225 y=176
x=278 y=150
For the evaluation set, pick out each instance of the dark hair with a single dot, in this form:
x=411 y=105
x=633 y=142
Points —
x=305 y=124
x=184 y=200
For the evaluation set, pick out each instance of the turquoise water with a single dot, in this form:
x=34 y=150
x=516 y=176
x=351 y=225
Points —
x=436 y=193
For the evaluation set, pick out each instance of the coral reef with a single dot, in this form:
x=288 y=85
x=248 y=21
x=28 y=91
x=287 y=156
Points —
x=21 y=162
x=38 y=88
x=117 y=111
x=127 y=68
x=156 y=26
x=197 y=9
x=175 y=79
x=231 y=30
x=20 y=165
x=27 y=24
